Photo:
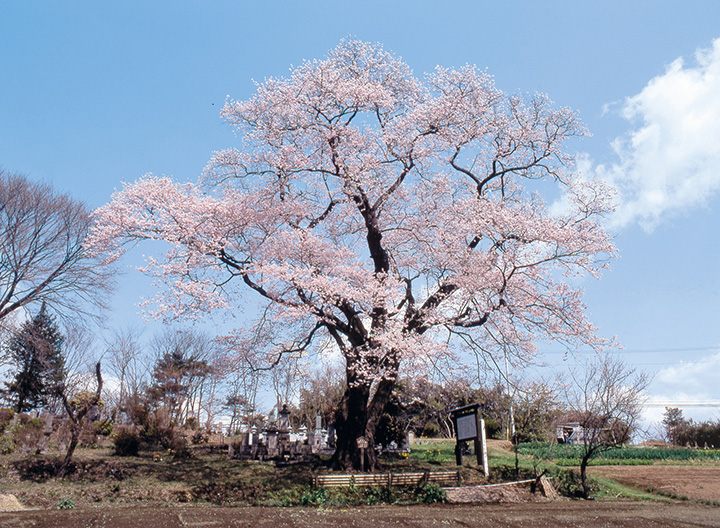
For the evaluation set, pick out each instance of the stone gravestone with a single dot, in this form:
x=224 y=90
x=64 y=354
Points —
x=245 y=444
x=272 y=444
x=316 y=437
x=284 y=431
x=253 y=440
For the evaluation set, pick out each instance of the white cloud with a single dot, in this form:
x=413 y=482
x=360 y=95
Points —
x=688 y=385
x=669 y=161
x=694 y=377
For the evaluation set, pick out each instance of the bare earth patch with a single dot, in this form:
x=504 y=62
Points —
x=562 y=514
x=497 y=493
x=694 y=482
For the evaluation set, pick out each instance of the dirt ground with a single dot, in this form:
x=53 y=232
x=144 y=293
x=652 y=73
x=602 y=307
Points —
x=561 y=514
x=695 y=482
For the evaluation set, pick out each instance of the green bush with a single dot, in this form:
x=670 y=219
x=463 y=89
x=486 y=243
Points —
x=430 y=430
x=7 y=445
x=431 y=493
x=314 y=497
x=568 y=483
x=102 y=427
x=66 y=504
x=376 y=495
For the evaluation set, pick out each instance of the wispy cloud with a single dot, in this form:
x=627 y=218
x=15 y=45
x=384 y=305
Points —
x=690 y=385
x=669 y=161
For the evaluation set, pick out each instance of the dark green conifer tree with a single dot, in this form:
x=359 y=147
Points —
x=36 y=356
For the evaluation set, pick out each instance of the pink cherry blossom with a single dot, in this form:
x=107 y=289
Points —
x=396 y=217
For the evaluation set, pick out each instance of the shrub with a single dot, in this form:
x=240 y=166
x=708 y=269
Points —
x=431 y=493
x=177 y=447
x=126 y=443
x=7 y=444
x=192 y=423
x=568 y=484
x=430 y=430
x=102 y=427
x=6 y=418
x=66 y=504
x=29 y=433
x=314 y=497
x=200 y=437
x=376 y=495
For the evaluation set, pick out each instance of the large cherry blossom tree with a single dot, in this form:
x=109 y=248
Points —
x=399 y=219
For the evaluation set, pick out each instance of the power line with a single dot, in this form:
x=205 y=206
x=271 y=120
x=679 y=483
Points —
x=638 y=350
x=636 y=364
x=683 y=404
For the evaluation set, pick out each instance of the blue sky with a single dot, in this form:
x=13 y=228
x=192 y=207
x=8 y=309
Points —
x=97 y=93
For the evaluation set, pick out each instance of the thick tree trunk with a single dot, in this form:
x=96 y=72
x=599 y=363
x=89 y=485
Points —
x=583 y=475
x=350 y=424
x=358 y=416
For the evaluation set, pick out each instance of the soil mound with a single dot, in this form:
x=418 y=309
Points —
x=10 y=503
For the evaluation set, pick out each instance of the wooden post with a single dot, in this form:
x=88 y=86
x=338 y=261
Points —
x=483 y=440
x=477 y=442
x=458 y=453
x=362 y=443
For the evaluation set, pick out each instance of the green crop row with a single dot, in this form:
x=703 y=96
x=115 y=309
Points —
x=547 y=451
x=605 y=462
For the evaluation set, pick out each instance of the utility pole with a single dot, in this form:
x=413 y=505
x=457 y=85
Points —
x=511 y=423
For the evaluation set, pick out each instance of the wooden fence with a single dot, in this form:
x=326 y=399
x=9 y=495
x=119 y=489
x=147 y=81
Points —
x=445 y=478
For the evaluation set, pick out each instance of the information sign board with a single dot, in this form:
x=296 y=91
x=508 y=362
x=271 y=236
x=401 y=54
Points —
x=467 y=427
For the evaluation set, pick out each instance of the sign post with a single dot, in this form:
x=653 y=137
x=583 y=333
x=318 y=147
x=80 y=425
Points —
x=469 y=426
x=483 y=448
x=362 y=444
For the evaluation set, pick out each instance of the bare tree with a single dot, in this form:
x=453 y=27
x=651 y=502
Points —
x=320 y=394
x=536 y=407
x=42 y=258
x=9 y=326
x=241 y=400
x=79 y=358
x=77 y=409
x=126 y=365
x=286 y=379
x=605 y=399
